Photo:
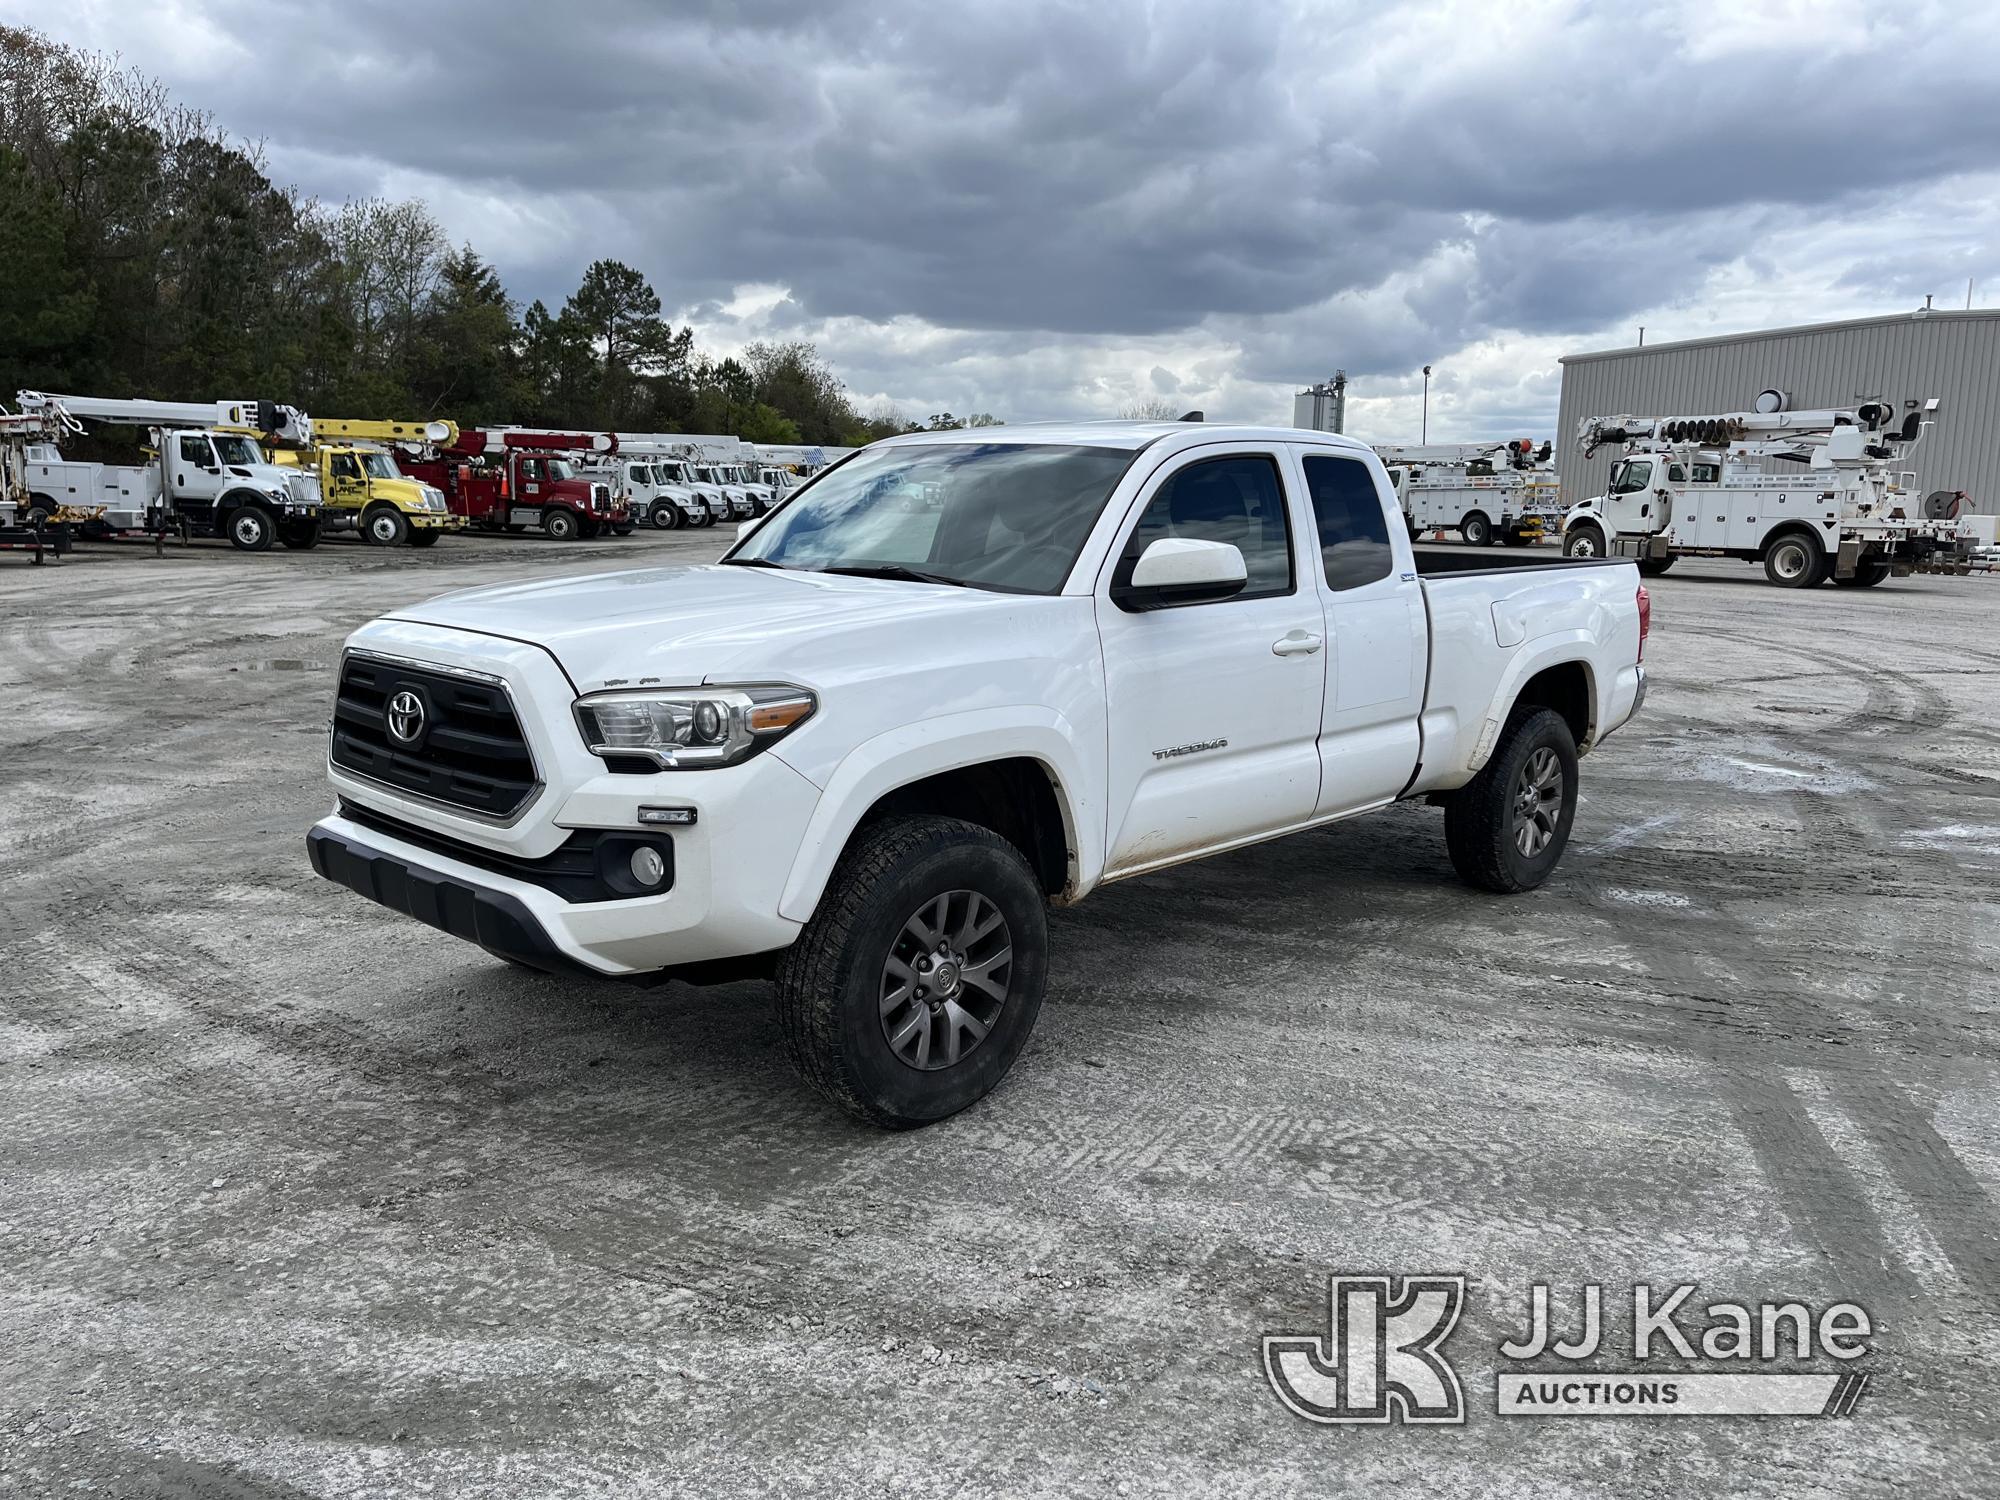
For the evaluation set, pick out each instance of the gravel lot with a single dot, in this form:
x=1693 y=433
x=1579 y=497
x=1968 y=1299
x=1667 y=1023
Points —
x=298 y=1198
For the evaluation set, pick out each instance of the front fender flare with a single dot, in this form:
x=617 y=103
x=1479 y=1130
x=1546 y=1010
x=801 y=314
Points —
x=912 y=752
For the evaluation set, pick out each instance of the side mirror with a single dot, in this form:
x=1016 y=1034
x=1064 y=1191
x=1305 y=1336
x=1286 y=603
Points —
x=1182 y=570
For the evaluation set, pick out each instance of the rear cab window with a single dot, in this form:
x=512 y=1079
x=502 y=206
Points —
x=1353 y=528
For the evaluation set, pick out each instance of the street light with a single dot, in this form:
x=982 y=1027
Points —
x=1427 y=404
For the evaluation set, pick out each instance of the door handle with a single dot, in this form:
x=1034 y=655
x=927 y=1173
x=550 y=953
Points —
x=1297 y=643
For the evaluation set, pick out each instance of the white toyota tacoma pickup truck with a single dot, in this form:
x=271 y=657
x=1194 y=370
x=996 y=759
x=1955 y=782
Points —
x=947 y=683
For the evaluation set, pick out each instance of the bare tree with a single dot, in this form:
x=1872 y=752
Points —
x=1159 y=409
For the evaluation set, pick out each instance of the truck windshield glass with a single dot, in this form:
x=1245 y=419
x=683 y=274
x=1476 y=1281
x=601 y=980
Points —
x=559 y=469
x=1005 y=516
x=380 y=466
x=236 y=450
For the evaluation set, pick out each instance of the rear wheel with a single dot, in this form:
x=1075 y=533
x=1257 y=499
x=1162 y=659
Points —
x=665 y=515
x=251 y=529
x=1585 y=540
x=300 y=536
x=1867 y=573
x=561 y=525
x=1476 y=529
x=916 y=983
x=384 y=526
x=1794 y=561
x=1507 y=827
x=425 y=538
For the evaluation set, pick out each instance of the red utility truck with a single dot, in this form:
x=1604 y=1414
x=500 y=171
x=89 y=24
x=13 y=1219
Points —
x=515 y=479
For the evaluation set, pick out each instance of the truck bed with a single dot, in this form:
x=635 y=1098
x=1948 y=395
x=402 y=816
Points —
x=1437 y=562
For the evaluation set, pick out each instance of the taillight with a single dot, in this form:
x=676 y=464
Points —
x=1645 y=619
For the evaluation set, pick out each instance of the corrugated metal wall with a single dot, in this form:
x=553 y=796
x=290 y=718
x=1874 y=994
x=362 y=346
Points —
x=1951 y=355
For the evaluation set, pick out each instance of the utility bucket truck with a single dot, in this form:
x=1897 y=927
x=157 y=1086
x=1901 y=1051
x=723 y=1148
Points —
x=22 y=528
x=1811 y=495
x=503 y=479
x=1483 y=491
x=363 y=489
x=204 y=472
x=655 y=488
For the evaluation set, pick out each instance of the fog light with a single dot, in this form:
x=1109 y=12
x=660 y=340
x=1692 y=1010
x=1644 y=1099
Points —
x=648 y=868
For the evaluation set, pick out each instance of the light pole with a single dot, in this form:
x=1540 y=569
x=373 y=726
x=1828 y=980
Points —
x=1427 y=404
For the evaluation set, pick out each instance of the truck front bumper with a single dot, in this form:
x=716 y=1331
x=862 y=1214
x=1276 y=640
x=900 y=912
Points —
x=434 y=520
x=496 y=920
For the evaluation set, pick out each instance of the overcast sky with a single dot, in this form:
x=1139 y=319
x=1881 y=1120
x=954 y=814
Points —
x=1048 y=210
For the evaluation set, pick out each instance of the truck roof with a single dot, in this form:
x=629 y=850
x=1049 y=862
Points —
x=1127 y=434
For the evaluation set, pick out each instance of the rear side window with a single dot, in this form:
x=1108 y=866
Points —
x=1353 y=531
x=1236 y=500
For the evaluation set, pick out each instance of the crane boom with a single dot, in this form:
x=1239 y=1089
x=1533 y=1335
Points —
x=362 y=429
x=1721 y=429
x=270 y=418
x=534 y=440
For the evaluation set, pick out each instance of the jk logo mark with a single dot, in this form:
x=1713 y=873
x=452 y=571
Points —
x=1379 y=1361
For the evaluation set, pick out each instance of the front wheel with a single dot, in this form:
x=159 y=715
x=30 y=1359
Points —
x=665 y=515
x=251 y=529
x=384 y=526
x=561 y=525
x=916 y=983
x=1476 y=529
x=1506 y=828
x=1583 y=541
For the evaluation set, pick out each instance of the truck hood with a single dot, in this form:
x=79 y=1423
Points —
x=680 y=626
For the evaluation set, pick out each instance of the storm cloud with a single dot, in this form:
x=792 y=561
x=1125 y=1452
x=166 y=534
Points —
x=1055 y=209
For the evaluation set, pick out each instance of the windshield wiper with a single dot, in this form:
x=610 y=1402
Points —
x=893 y=570
x=753 y=562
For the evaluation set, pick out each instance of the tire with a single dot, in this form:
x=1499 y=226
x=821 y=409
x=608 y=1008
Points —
x=1476 y=530
x=251 y=529
x=836 y=982
x=665 y=516
x=1869 y=572
x=384 y=526
x=1515 y=539
x=589 y=528
x=1488 y=838
x=300 y=536
x=1584 y=540
x=425 y=538
x=1653 y=567
x=41 y=512
x=1794 y=561
x=561 y=525
x=622 y=528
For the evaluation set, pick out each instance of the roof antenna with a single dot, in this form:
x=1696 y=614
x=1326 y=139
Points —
x=1192 y=416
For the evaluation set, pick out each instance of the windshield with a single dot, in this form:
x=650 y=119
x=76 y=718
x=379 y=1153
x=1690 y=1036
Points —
x=559 y=468
x=237 y=450
x=1008 y=516
x=380 y=466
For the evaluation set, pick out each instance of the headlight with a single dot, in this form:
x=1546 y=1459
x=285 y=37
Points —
x=687 y=728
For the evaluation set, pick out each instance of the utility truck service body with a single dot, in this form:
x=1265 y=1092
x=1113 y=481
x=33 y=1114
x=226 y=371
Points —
x=862 y=752
x=1483 y=491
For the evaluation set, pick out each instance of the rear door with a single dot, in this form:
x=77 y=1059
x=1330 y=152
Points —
x=1214 y=707
x=1377 y=637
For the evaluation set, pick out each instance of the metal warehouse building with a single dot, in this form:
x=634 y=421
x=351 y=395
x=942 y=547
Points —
x=1954 y=356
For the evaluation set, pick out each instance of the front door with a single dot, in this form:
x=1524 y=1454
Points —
x=1377 y=639
x=1630 y=506
x=1214 y=707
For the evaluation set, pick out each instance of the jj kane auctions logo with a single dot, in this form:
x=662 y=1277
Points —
x=1381 y=1359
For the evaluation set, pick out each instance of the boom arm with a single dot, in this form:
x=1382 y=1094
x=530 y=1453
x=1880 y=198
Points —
x=271 y=418
x=360 y=429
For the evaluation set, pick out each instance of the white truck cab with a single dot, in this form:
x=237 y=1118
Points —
x=947 y=684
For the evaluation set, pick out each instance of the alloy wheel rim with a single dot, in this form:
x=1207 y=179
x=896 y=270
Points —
x=1537 y=802
x=945 y=981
